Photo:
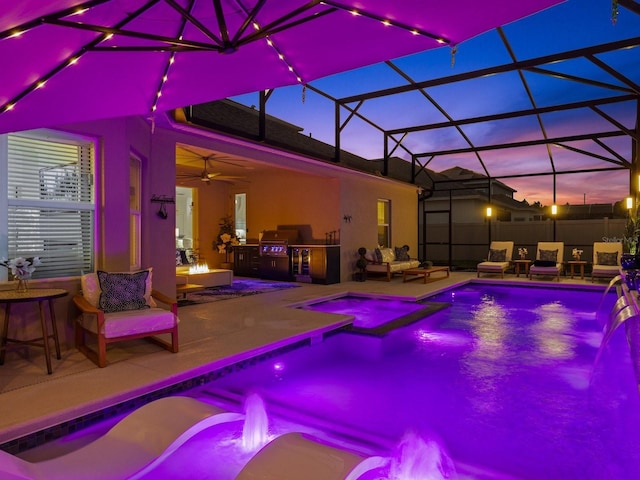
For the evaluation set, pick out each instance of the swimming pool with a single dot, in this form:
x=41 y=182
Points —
x=504 y=378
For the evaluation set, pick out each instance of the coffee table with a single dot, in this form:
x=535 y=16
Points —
x=188 y=288
x=422 y=272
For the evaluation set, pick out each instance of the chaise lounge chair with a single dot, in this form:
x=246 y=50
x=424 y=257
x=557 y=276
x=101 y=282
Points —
x=132 y=448
x=549 y=260
x=498 y=260
x=606 y=259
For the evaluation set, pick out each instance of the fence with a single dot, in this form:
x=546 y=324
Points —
x=470 y=241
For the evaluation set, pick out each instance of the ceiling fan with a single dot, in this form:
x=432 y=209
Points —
x=185 y=156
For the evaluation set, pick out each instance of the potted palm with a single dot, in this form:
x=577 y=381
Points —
x=631 y=258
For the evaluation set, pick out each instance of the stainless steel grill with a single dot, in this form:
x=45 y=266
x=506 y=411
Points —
x=275 y=243
x=275 y=254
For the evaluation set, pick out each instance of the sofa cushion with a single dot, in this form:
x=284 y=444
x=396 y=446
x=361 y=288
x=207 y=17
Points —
x=122 y=291
x=388 y=255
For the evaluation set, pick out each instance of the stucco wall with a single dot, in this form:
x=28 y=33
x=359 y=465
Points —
x=298 y=192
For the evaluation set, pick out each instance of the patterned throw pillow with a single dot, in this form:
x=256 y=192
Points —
x=378 y=253
x=497 y=255
x=548 y=255
x=402 y=253
x=607 y=258
x=122 y=291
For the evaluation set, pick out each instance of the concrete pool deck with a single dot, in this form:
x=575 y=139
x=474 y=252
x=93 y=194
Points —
x=212 y=336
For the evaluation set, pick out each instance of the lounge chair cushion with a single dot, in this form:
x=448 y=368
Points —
x=607 y=258
x=549 y=255
x=497 y=255
x=544 y=263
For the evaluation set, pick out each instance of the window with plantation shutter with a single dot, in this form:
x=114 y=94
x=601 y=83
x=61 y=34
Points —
x=50 y=202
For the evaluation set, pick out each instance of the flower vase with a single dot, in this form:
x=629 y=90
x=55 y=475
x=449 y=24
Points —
x=22 y=286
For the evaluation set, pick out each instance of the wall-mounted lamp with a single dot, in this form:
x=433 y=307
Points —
x=629 y=203
x=554 y=209
x=489 y=212
x=177 y=232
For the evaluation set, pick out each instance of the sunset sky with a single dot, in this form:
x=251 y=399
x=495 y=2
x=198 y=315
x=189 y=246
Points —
x=572 y=25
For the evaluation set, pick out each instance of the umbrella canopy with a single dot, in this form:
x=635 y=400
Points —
x=67 y=61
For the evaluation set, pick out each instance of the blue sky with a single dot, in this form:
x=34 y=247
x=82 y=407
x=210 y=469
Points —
x=572 y=25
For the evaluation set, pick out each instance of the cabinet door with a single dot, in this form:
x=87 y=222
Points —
x=325 y=265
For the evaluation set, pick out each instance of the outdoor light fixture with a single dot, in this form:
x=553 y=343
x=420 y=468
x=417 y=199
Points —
x=554 y=209
x=489 y=211
x=629 y=203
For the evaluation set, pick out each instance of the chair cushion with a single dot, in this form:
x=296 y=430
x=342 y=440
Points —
x=549 y=255
x=607 y=258
x=131 y=322
x=122 y=291
x=497 y=255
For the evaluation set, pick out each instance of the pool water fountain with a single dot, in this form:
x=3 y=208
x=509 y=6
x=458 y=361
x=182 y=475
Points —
x=255 y=431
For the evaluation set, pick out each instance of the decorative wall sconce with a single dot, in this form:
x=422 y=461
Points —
x=347 y=218
x=629 y=203
x=489 y=212
x=554 y=209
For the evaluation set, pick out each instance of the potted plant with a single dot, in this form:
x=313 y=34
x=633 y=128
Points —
x=361 y=265
x=21 y=269
x=226 y=239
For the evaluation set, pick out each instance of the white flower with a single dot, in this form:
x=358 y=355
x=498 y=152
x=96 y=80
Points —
x=20 y=267
x=522 y=251
x=576 y=252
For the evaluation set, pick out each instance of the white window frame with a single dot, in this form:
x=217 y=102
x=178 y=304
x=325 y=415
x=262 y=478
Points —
x=57 y=193
x=384 y=226
x=135 y=212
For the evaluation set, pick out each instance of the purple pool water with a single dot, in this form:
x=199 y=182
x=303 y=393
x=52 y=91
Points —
x=503 y=379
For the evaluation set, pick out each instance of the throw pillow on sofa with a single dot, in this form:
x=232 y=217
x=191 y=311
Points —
x=388 y=255
x=402 y=253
